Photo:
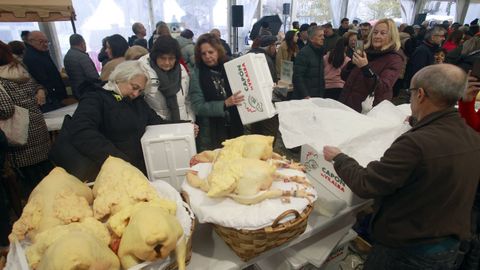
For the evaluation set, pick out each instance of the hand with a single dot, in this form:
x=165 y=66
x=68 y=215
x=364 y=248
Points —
x=40 y=97
x=359 y=59
x=196 y=129
x=330 y=152
x=235 y=99
x=472 y=89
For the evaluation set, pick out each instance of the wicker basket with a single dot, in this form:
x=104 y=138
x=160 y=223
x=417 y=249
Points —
x=174 y=264
x=248 y=244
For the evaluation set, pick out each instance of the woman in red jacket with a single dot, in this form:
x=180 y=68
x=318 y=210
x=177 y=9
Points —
x=375 y=71
x=466 y=106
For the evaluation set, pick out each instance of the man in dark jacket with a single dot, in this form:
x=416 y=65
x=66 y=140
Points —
x=424 y=54
x=302 y=36
x=425 y=184
x=331 y=37
x=225 y=45
x=139 y=35
x=308 y=79
x=78 y=64
x=42 y=68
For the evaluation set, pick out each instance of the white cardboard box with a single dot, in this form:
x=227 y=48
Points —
x=324 y=173
x=167 y=150
x=339 y=253
x=250 y=74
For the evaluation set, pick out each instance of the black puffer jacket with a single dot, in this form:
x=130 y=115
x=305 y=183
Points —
x=308 y=78
x=104 y=124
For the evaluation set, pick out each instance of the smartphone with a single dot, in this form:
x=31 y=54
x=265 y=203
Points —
x=359 y=46
x=476 y=68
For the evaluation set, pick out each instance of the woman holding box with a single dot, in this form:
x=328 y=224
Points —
x=211 y=98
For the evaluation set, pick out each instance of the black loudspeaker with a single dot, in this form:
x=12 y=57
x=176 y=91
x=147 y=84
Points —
x=237 y=16
x=420 y=18
x=286 y=8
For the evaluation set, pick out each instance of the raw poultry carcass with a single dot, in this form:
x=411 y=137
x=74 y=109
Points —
x=240 y=172
x=118 y=185
x=152 y=232
x=60 y=198
x=79 y=245
x=247 y=146
x=146 y=224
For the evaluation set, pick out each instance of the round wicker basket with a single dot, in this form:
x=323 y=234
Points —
x=174 y=264
x=248 y=244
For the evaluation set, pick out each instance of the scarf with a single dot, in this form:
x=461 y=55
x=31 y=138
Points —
x=213 y=82
x=169 y=85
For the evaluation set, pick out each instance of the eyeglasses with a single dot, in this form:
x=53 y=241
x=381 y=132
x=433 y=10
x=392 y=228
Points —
x=410 y=90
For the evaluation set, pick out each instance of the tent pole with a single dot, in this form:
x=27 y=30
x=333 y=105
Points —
x=73 y=25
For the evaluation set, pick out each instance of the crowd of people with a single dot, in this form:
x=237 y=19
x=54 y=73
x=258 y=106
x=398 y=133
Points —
x=417 y=224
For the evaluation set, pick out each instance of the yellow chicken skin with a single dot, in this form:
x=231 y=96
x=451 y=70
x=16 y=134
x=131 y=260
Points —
x=152 y=232
x=78 y=250
x=119 y=184
x=248 y=146
x=240 y=170
x=44 y=240
x=60 y=198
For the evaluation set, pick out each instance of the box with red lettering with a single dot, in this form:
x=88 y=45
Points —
x=324 y=175
x=250 y=75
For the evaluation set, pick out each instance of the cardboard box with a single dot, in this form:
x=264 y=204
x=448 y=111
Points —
x=324 y=173
x=167 y=150
x=250 y=74
x=339 y=253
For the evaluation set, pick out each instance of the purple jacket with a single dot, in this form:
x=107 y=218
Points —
x=386 y=67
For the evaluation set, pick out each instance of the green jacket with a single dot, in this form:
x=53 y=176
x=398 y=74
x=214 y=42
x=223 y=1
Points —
x=308 y=77
x=211 y=117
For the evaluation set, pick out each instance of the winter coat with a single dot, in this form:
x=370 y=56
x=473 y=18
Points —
x=20 y=90
x=332 y=74
x=330 y=42
x=424 y=185
x=424 y=55
x=188 y=50
x=308 y=77
x=282 y=55
x=359 y=83
x=157 y=101
x=79 y=68
x=104 y=124
x=42 y=68
x=216 y=122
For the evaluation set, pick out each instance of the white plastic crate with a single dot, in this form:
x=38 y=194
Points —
x=167 y=150
x=251 y=75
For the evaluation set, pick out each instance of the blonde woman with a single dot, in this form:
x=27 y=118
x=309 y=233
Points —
x=288 y=50
x=375 y=70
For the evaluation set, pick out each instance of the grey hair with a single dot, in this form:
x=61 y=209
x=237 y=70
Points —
x=471 y=45
x=136 y=27
x=436 y=30
x=313 y=30
x=444 y=83
x=125 y=71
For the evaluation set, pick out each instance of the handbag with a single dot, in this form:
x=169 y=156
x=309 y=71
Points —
x=16 y=127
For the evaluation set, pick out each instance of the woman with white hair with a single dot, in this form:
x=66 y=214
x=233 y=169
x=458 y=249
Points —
x=109 y=121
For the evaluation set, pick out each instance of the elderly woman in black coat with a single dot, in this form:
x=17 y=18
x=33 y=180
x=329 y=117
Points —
x=109 y=121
